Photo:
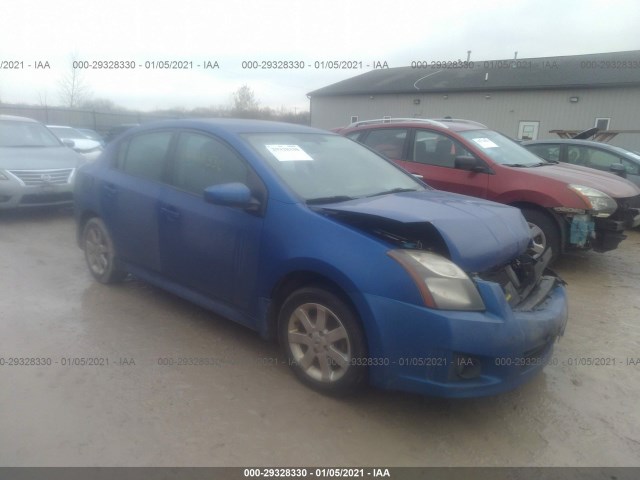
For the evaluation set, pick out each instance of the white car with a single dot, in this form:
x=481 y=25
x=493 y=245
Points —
x=91 y=149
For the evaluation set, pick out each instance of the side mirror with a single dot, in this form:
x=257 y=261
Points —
x=68 y=142
x=467 y=162
x=618 y=169
x=230 y=194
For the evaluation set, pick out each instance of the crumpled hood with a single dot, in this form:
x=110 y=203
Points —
x=479 y=234
x=39 y=158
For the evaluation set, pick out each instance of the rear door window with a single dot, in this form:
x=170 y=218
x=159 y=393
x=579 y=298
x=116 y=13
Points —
x=145 y=155
x=387 y=141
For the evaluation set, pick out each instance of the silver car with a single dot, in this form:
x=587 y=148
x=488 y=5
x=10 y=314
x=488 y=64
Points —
x=36 y=169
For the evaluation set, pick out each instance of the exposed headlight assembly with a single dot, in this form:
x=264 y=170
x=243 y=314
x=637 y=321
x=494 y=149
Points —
x=441 y=282
x=601 y=204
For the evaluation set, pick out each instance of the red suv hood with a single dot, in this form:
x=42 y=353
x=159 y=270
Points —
x=608 y=183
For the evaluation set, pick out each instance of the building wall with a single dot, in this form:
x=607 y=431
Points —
x=502 y=111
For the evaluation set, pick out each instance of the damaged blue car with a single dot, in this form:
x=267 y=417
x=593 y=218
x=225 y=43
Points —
x=365 y=274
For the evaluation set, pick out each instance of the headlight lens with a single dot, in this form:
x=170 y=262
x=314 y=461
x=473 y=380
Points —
x=441 y=282
x=601 y=203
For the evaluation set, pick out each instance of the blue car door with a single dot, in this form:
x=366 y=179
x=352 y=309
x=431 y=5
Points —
x=129 y=194
x=211 y=249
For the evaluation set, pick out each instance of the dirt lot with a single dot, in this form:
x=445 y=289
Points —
x=135 y=412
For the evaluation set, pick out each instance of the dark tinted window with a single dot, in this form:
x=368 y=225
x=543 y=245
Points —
x=145 y=155
x=548 y=152
x=202 y=161
x=387 y=141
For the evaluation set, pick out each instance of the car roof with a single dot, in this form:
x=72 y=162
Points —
x=571 y=141
x=587 y=143
x=442 y=124
x=233 y=125
x=18 y=119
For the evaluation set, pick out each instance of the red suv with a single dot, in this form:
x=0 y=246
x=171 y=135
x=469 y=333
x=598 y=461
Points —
x=567 y=206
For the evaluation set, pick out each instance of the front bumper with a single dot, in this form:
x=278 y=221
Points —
x=14 y=195
x=463 y=354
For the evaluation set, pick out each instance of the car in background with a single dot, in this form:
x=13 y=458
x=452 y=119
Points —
x=566 y=206
x=92 y=134
x=90 y=149
x=586 y=153
x=363 y=272
x=36 y=169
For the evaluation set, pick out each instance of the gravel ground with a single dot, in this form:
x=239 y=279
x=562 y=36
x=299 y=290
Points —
x=251 y=410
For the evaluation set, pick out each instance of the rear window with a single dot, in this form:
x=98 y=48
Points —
x=145 y=155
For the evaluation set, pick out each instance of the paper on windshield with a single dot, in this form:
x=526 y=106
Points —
x=485 y=143
x=288 y=153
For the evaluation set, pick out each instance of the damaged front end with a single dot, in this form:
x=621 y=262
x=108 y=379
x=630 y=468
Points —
x=602 y=233
x=525 y=281
x=490 y=313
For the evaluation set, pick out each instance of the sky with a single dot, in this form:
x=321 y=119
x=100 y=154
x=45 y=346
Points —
x=195 y=32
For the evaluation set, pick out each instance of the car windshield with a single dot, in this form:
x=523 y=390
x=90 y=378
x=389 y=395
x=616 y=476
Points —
x=67 y=132
x=502 y=149
x=26 y=134
x=329 y=168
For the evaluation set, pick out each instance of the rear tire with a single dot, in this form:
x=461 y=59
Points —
x=545 y=234
x=100 y=253
x=323 y=341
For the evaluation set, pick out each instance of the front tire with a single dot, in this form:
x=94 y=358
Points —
x=323 y=341
x=100 y=253
x=545 y=234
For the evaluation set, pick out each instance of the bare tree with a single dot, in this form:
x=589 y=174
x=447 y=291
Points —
x=73 y=87
x=244 y=100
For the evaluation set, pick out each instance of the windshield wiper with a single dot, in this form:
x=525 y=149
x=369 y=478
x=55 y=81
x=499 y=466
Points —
x=530 y=165
x=393 y=190
x=333 y=199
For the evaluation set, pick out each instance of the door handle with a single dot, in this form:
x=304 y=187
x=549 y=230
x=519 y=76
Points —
x=170 y=213
x=109 y=189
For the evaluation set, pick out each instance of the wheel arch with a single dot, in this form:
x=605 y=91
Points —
x=83 y=218
x=297 y=279
x=557 y=219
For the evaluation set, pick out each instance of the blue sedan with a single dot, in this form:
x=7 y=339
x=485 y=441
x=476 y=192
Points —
x=365 y=274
